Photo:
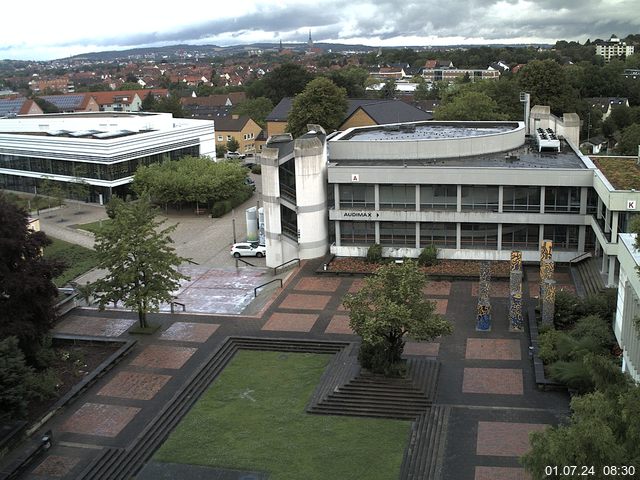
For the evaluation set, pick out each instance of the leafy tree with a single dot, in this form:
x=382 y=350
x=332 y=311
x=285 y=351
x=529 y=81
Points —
x=257 y=109
x=630 y=140
x=27 y=291
x=390 y=306
x=232 y=145
x=45 y=105
x=388 y=90
x=352 y=79
x=548 y=84
x=470 y=106
x=13 y=374
x=149 y=103
x=284 y=81
x=140 y=259
x=322 y=103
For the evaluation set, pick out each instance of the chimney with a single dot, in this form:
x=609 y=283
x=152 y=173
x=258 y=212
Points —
x=235 y=116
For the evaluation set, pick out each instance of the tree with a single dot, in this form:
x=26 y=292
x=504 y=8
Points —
x=390 y=306
x=352 y=79
x=27 y=291
x=140 y=259
x=388 y=90
x=322 y=103
x=548 y=83
x=284 y=81
x=630 y=140
x=470 y=106
x=232 y=145
x=13 y=378
x=257 y=109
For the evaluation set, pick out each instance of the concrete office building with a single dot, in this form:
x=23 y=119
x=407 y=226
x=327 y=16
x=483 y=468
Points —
x=99 y=148
x=628 y=307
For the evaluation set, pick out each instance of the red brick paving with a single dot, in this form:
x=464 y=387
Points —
x=291 y=322
x=498 y=381
x=496 y=289
x=316 y=284
x=442 y=288
x=162 y=356
x=98 y=419
x=534 y=289
x=305 y=302
x=56 y=466
x=189 y=332
x=505 y=439
x=533 y=275
x=95 y=326
x=493 y=349
x=429 y=349
x=339 y=324
x=441 y=305
x=356 y=286
x=136 y=385
x=501 y=473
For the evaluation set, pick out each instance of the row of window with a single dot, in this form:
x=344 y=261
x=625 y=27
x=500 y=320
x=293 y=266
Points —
x=473 y=197
x=443 y=235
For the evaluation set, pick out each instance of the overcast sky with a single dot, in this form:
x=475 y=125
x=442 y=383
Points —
x=45 y=30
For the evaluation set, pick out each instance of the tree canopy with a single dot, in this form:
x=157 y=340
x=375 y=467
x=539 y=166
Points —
x=629 y=140
x=548 y=84
x=257 y=109
x=322 y=103
x=27 y=291
x=140 y=260
x=285 y=81
x=470 y=106
x=390 y=306
x=190 y=179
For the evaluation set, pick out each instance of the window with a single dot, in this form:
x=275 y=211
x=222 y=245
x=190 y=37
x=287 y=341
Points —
x=438 y=234
x=220 y=138
x=480 y=197
x=398 y=234
x=357 y=196
x=438 y=197
x=229 y=137
x=357 y=233
x=479 y=235
x=562 y=200
x=521 y=199
x=400 y=197
x=564 y=237
x=517 y=236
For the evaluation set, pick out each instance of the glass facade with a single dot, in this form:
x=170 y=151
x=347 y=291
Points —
x=520 y=199
x=357 y=233
x=357 y=196
x=523 y=237
x=289 y=222
x=564 y=237
x=439 y=234
x=398 y=234
x=438 y=197
x=562 y=200
x=480 y=197
x=398 y=197
x=479 y=235
x=287 y=174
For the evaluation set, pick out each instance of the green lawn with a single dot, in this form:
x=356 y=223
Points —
x=31 y=202
x=252 y=418
x=93 y=227
x=77 y=259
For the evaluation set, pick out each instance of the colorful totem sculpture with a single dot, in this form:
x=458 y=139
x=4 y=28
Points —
x=515 y=290
x=549 y=302
x=483 y=319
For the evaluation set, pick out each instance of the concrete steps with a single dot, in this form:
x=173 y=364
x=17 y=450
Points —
x=424 y=456
x=590 y=276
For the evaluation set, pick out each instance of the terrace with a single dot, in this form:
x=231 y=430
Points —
x=622 y=172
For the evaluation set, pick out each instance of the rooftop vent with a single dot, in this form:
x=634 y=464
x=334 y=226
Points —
x=547 y=140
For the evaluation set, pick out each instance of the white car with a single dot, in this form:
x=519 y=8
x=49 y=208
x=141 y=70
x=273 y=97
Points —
x=234 y=155
x=248 y=249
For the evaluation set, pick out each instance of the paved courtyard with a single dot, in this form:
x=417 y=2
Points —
x=486 y=378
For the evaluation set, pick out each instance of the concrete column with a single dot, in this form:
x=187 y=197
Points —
x=417 y=198
x=417 y=234
x=607 y=221
x=458 y=236
x=612 y=272
x=500 y=201
x=603 y=269
x=377 y=232
x=459 y=199
x=583 y=200
x=582 y=235
x=337 y=225
x=499 y=236
x=541 y=236
x=376 y=196
x=336 y=196
x=599 y=208
x=542 y=200
x=614 y=227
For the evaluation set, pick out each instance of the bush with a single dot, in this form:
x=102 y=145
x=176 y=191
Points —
x=603 y=304
x=548 y=346
x=374 y=253
x=256 y=169
x=13 y=379
x=428 y=256
x=42 y=385
x=218 y=209
x=568 y=309
x=376 y=358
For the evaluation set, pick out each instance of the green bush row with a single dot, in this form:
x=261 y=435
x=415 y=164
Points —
x=225 y=206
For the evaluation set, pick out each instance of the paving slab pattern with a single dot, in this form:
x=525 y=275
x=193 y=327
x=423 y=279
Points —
x=493 y=349
x=189 y=332
x=505 y=439
x=494 y=381
x=163 y=356
x=95 y=326
x=136 y=385
x=100 y=419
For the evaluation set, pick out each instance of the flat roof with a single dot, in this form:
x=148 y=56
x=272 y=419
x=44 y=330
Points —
x=622 y=172
x=428 y=131
x=525 y=156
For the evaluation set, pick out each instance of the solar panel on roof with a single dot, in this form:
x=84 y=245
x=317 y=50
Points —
x=83 y=133
x=64 y=102
x=11 y=106
x=113 y=134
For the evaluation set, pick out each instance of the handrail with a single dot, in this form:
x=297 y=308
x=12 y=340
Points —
x=243 y=261
x=255 y=290
x=275 y=269
x=580 y=257
x=174 y=303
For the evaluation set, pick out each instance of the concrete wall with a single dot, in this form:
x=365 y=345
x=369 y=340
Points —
x=568 y=126
x=628 y=306
x=271 y=203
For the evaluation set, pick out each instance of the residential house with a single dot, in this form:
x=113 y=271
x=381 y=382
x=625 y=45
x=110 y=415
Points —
x=16 y=105
x=444 y=71
x=242 y=128
x=613 y=48
x=211 y=106
x=73 y=102
x=125 y=100
x=59 y=84
x=607 y=104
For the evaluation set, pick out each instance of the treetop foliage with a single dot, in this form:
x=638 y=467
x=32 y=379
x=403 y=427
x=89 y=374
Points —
x=322 y=102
